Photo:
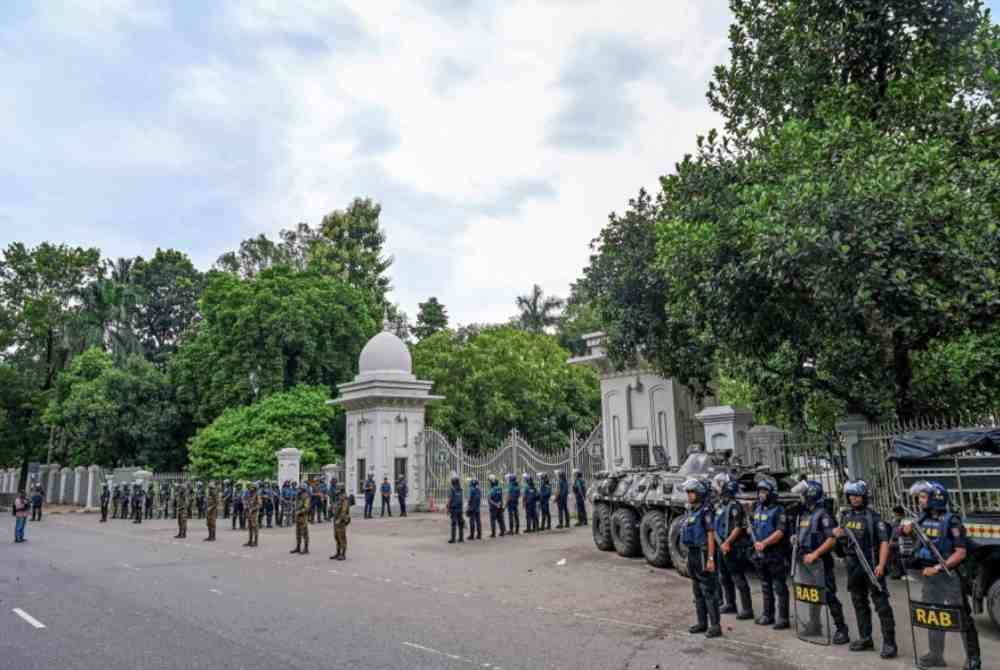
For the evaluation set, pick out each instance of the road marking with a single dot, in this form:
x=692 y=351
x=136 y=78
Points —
x=129 y=567
x=453 y=657
x=216 y=591
x=27 y=617
x=616 y=621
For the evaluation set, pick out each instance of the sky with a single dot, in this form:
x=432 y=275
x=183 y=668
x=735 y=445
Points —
x=497 y=136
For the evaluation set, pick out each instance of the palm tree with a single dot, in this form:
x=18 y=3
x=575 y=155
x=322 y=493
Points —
x=108 y=310
x=537 y=310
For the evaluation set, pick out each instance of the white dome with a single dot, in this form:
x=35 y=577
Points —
x=385 y=354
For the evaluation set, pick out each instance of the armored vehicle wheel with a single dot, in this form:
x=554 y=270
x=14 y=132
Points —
x=602 y=527
x=655 y=539
x=993 y=602
x=625 y=532
x=678 y=552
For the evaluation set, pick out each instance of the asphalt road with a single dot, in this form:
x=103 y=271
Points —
x=119 y=595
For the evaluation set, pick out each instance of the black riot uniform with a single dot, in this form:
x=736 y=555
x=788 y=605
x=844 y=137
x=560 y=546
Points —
x=698 y=536
x=105 y=499
x=771 y=561
x=733 y=555
x=815 y=527
x=871 y=535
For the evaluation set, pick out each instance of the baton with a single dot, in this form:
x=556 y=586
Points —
x=861 y=557
x=927 y=543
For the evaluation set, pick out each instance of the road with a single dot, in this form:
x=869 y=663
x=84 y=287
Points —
x=119 y=595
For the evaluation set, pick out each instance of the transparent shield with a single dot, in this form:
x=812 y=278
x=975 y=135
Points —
x=936 y=618
x=812 y=616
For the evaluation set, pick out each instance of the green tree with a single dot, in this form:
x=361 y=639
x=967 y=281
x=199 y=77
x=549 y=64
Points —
x=242 y=441
x=581 y=317
x=538 y=311
x=357 y=246
x=116 y=415
x=504 y=378
x=170 y=286
x=398 y=322
x=268 y=334
x=431 y=318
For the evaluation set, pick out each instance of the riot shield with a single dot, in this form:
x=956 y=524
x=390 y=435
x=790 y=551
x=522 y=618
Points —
x=936 y=619
x=812 y=615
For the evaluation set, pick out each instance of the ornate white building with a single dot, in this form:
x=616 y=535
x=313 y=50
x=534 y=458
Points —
x=385 y=413
x=646 y=418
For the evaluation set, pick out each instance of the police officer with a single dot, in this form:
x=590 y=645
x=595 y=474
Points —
x=341 y=519
x=227 y=498
x=166 y=491
x=138 y=502
x=475 y=501
x=125 y=504
x=148 y=506
x=199 y=501
x=105 y=498
x=815 y=543
x=182 y=511
x=302 y=522
x=369 y=496
x=386 y=490
x=562 y=500
x=530 y=503
x=873 y=536
x=211 y=511
x=734 y=547
x=496 y=507
x=267 y=500
x=239 y=508
x=947 y=532
x=252 y=505
x=580 y=492
x=698 y=535
x=116 y=501
x=544 y=495
x=455 y=510
x=513 y=500
x=770 y=554
x=402 y=490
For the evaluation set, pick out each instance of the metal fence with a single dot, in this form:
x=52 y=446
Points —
x=444 y=458
x=817 y=456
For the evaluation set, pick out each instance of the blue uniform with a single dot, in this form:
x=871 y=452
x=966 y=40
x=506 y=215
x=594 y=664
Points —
x=496 y=509
x=455 y=512
x=544 y=495
x=771 y=564
x=401 y=490
x=580 y=492
x=699 y=523
x=513 y=510
x=386 y=490
x=562 y=501
x=369 y=497
x=531 y=506
x=729 y=516
x=475 y=521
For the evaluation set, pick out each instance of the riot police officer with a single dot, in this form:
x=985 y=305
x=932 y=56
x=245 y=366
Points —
x=267 y=501
x=544 y=495
x=816 y=541
x=402 y=490
x=770 y=554
x=138 y=500
x=562 y=500
x=513 y=500
x=580 y=493
x=116 y=501
x=946 y=533
x=227 y=498
x=530 y=503
x=871 y=537
x=239 y=508
x=734 y=548
x=698 y=535
x=496 y=507
x=475 y=520
x=105 y=498
x=455 y=510
x=369 y=496
x=148 y=503
x=165 y=494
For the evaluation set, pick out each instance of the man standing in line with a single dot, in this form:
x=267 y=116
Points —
x=182 y=511
x=530 y=503
x=544 y=494
x=401 y=490
x=116 y=501
x=105 y=498
x=580 y=492
x=386 y=491
x=211 y=511
x=496 y=507
x=369 y=496
x=239 y=510
x=513 y=500
x=138 y=502
x=562 y=500
x=455 y=510
x=341 y=520
x=252 y=512
x=20 y=516
x=475 y=520
x=302 y=511
x=37 y=498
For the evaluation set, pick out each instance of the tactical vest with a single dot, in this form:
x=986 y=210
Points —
x=722 y=516
x=809 y=533
x=496 y=494
x=513 y=494
x=693 y=533
x=865 y=526
x=936 y=531
x=765 y=521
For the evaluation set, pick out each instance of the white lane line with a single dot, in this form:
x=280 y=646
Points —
x=453 y=657
x=27 y=617
x=216 y=591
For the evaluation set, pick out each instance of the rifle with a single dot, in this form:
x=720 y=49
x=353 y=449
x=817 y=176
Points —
x=927 y=543
x=861 y=557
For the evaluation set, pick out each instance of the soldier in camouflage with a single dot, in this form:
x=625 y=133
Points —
x=182 y=511
x=341 y=519
x=302 y=509
x=253 y=521
x=211 y=511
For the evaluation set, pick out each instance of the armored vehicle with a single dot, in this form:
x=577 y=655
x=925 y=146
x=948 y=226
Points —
x=640 y=510
x=967 y=463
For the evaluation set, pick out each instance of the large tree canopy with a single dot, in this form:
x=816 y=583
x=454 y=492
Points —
x=503 y=378
x=267 y=334
x=844 y=223
x=242 y=441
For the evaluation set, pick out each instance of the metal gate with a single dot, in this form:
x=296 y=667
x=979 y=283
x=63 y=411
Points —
x=442 y=459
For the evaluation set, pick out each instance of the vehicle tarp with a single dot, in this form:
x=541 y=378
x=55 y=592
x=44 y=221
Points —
x=926 y=444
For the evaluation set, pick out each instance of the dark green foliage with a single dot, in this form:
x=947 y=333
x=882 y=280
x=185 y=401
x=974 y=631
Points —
x=431 y=318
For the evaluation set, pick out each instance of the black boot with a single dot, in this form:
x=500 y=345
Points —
x=698 y=628
x=863 y=644
x=714 y=631
x=841 y=636
x=305 y=549
x=889 y=649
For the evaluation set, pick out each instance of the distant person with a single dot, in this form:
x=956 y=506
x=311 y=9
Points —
x=369 y=496
x=20 y=516
x=580 y=492
x=386 y=490
x=341 y=519
x=37 y=498
x=401 y=491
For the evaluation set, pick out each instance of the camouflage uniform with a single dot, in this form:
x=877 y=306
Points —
x=211 y=512
x=340 y=521
x=302 y=508
x=253 y=509
x=182 y=512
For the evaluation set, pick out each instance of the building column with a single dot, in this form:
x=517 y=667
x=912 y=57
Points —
x=52 y=484
x=93 y=474
x=79 y=481
x=851 y=429
x=64 y=491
